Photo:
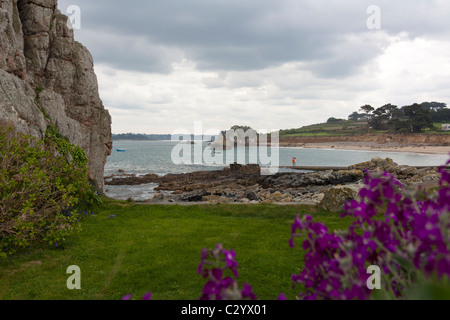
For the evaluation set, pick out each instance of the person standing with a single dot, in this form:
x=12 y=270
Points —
x=294 y=160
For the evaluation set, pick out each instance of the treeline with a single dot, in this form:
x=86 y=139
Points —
x=413 y=118
x=141 y=137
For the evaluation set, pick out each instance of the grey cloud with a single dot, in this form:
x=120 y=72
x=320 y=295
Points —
x=232 y=35
x=130 y=52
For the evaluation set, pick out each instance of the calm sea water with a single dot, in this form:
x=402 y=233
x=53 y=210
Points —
x=142 y=157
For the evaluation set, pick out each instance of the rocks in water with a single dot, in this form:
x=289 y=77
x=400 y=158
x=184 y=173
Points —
x=373 y=164
x=158 y=196
x=244 y=184
x=252 y=169
x=330 y=177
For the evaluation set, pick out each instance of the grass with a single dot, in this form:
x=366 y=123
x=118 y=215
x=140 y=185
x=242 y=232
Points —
x=335 y=128
x=157 y=248
x=346 y=128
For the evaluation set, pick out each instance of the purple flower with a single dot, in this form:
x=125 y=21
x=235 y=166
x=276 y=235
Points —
x=387 y=224
x=231 y=263
x=281 y=297
x=214 y=266
x=147 y=296
x=247 y=292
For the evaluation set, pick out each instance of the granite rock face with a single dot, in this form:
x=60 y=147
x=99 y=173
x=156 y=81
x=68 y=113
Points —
x=48 y=77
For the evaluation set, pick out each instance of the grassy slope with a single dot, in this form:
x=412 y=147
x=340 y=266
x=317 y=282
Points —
x=157 y=249
x=345 y=127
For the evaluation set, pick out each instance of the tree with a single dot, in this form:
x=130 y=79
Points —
x=383 y=117
x=433 y=106
x=441 y=115
x=389 y=111
x=367 y=109
x=438 y=111
x=418 y=116
x=332 y=119
x=355 y=116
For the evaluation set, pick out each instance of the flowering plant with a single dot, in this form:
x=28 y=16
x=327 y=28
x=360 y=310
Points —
x=394 y=229
x=221 y=269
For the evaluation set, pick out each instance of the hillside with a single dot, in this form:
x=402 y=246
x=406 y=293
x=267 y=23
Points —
x=352 y=134
x=333 y=128
x=347 y=128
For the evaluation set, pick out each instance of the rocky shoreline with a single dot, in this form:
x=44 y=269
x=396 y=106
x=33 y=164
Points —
x=245 y=184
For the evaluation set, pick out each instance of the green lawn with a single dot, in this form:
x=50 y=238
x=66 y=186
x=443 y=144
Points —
x=157 y=248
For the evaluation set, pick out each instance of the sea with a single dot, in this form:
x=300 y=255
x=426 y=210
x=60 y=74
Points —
x=164 y=157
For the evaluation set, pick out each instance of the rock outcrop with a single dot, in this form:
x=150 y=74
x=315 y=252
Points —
x=245 y=184
x=48 y=77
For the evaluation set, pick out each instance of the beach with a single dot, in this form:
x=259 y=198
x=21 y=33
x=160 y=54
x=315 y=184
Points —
x=432 y=144
x=371 y=146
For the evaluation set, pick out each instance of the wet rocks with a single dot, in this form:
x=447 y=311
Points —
x=330 y=177
x=245 y=184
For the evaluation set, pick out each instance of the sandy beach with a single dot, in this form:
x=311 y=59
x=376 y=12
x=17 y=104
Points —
x=371 y=146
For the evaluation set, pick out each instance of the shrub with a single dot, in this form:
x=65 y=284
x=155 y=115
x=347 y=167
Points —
x=43 y=185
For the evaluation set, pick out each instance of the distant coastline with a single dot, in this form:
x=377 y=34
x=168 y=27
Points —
x=140 y=137
x=414 y=143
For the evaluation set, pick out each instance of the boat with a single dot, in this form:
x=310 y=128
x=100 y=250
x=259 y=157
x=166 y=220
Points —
x=120 y=150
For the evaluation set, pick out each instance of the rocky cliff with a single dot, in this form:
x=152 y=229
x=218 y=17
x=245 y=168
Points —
x=48 y=77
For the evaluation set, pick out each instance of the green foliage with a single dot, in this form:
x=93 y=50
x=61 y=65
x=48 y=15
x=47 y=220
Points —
x=333 y=119
x=367 y=108
x=37 y=102
x=332 y=128
x=237 y=127
x=355 y=116
x=43 y=187
x=419 y=117
x=71 y=152
x=414 y=118
x=38 y=90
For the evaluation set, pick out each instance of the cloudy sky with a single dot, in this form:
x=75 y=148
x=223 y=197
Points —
x=271 y=64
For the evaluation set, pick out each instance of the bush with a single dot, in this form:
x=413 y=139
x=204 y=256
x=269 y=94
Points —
x=43 y=189
x=332 y=120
